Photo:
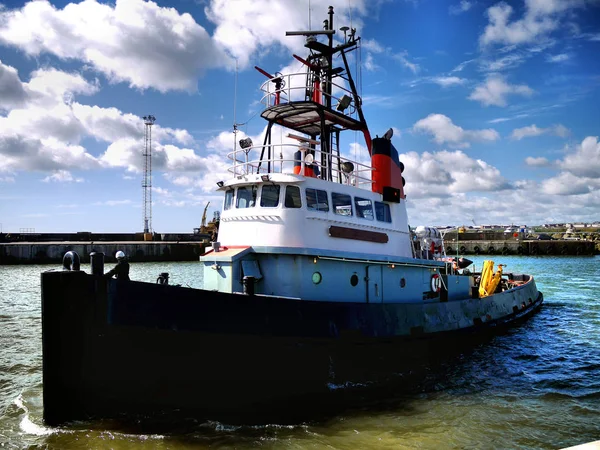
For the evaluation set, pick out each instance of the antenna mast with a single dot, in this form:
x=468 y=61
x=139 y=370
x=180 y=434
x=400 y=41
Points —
x=147 y=180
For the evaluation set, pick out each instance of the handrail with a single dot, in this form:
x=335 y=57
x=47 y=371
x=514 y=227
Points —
x=360 y=176
x=293 y=90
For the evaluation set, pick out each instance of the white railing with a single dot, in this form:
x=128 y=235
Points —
x=298 y=87
x=246 y=161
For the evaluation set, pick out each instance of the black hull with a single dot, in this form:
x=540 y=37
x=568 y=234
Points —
x=135 y=348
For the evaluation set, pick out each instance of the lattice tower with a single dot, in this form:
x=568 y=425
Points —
x=147 y=180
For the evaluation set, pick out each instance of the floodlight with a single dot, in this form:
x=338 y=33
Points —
x=246 y=143
x=343 y=103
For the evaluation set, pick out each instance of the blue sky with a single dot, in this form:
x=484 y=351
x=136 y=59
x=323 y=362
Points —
x=495 y=105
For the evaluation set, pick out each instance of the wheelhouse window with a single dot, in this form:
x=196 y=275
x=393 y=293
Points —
x=364 y=208
x=382 y=212
x=246 y=197
x=342 y=204
x=316 y=200
x=228 y=199
x=292 y=197
x=269 y=197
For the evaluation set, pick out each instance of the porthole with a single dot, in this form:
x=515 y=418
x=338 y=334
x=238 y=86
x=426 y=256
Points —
x=354 y=280
x=316 y=277
x=402 y=282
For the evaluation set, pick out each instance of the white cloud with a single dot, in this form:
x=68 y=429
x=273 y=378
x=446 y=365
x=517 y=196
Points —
x=12 y=91
x=448 y=81
x=580 y=172
x=537 y=162
x=244 y=27
x=444 y=131
x=62 y=176
x=584 y=161
x=566 y=184
x=44 y=132
x=445 y=174
x=534 y=130
x=540 y=18
x=562 y=57
x=113 y=203
x=509 y=61
x=461 y=7
x=402 y=57
x=495 y=89
x=133 y=40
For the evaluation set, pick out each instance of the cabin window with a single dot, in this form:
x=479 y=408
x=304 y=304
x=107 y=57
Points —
x=316 y=200
x=364 y=208
x=342 y=204
x=228 y=199
x=382 y=212
x=269 y=197
x=246 y=197
x=292 y=197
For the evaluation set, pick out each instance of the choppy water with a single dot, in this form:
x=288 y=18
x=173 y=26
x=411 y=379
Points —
x=537 y=386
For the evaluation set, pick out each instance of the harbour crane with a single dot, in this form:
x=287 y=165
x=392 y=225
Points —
x=203 y=224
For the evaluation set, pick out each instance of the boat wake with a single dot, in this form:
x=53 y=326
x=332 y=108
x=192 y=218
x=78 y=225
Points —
x=26 y=425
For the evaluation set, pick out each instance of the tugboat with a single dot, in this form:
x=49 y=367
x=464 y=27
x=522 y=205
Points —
x=315 y=281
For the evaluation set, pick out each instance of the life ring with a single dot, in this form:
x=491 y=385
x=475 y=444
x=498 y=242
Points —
x=71 y=261
x=436 y=283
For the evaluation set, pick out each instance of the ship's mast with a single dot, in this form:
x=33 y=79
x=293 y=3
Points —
x=317 y=115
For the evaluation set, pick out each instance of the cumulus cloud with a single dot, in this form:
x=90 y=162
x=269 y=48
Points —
x=537 y=162
x=133 y=40
x=566 y=184
x=45 y=131
x=580 y=171
x=534 y=130
x=445 y=131
x=12 y=91
x=62 y=176
x=540 y=18
x=584 y=161
x=495 y=90
x=446 y=173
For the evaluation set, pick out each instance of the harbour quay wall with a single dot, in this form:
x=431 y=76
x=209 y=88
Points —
x=136 y=251
x=520 y=247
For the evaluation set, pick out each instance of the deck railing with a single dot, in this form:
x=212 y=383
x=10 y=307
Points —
x=300 y=87
x=248 y=160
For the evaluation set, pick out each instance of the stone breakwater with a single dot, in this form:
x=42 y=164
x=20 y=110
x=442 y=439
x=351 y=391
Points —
x=521 y=247
x=136 y=251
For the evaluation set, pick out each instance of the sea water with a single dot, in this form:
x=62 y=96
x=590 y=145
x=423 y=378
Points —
x=535 y=386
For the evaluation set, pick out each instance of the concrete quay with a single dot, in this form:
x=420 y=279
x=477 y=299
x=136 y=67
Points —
x=520 y=247
x=136 y=251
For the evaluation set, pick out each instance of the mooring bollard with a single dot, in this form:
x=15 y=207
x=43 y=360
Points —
x=163 y=278
x=248 y=283
x=97 y=263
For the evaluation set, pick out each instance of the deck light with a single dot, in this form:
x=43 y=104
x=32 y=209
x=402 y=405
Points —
x=220 y=184
x=265 y=178
x=246 y=143
x=344 y=103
